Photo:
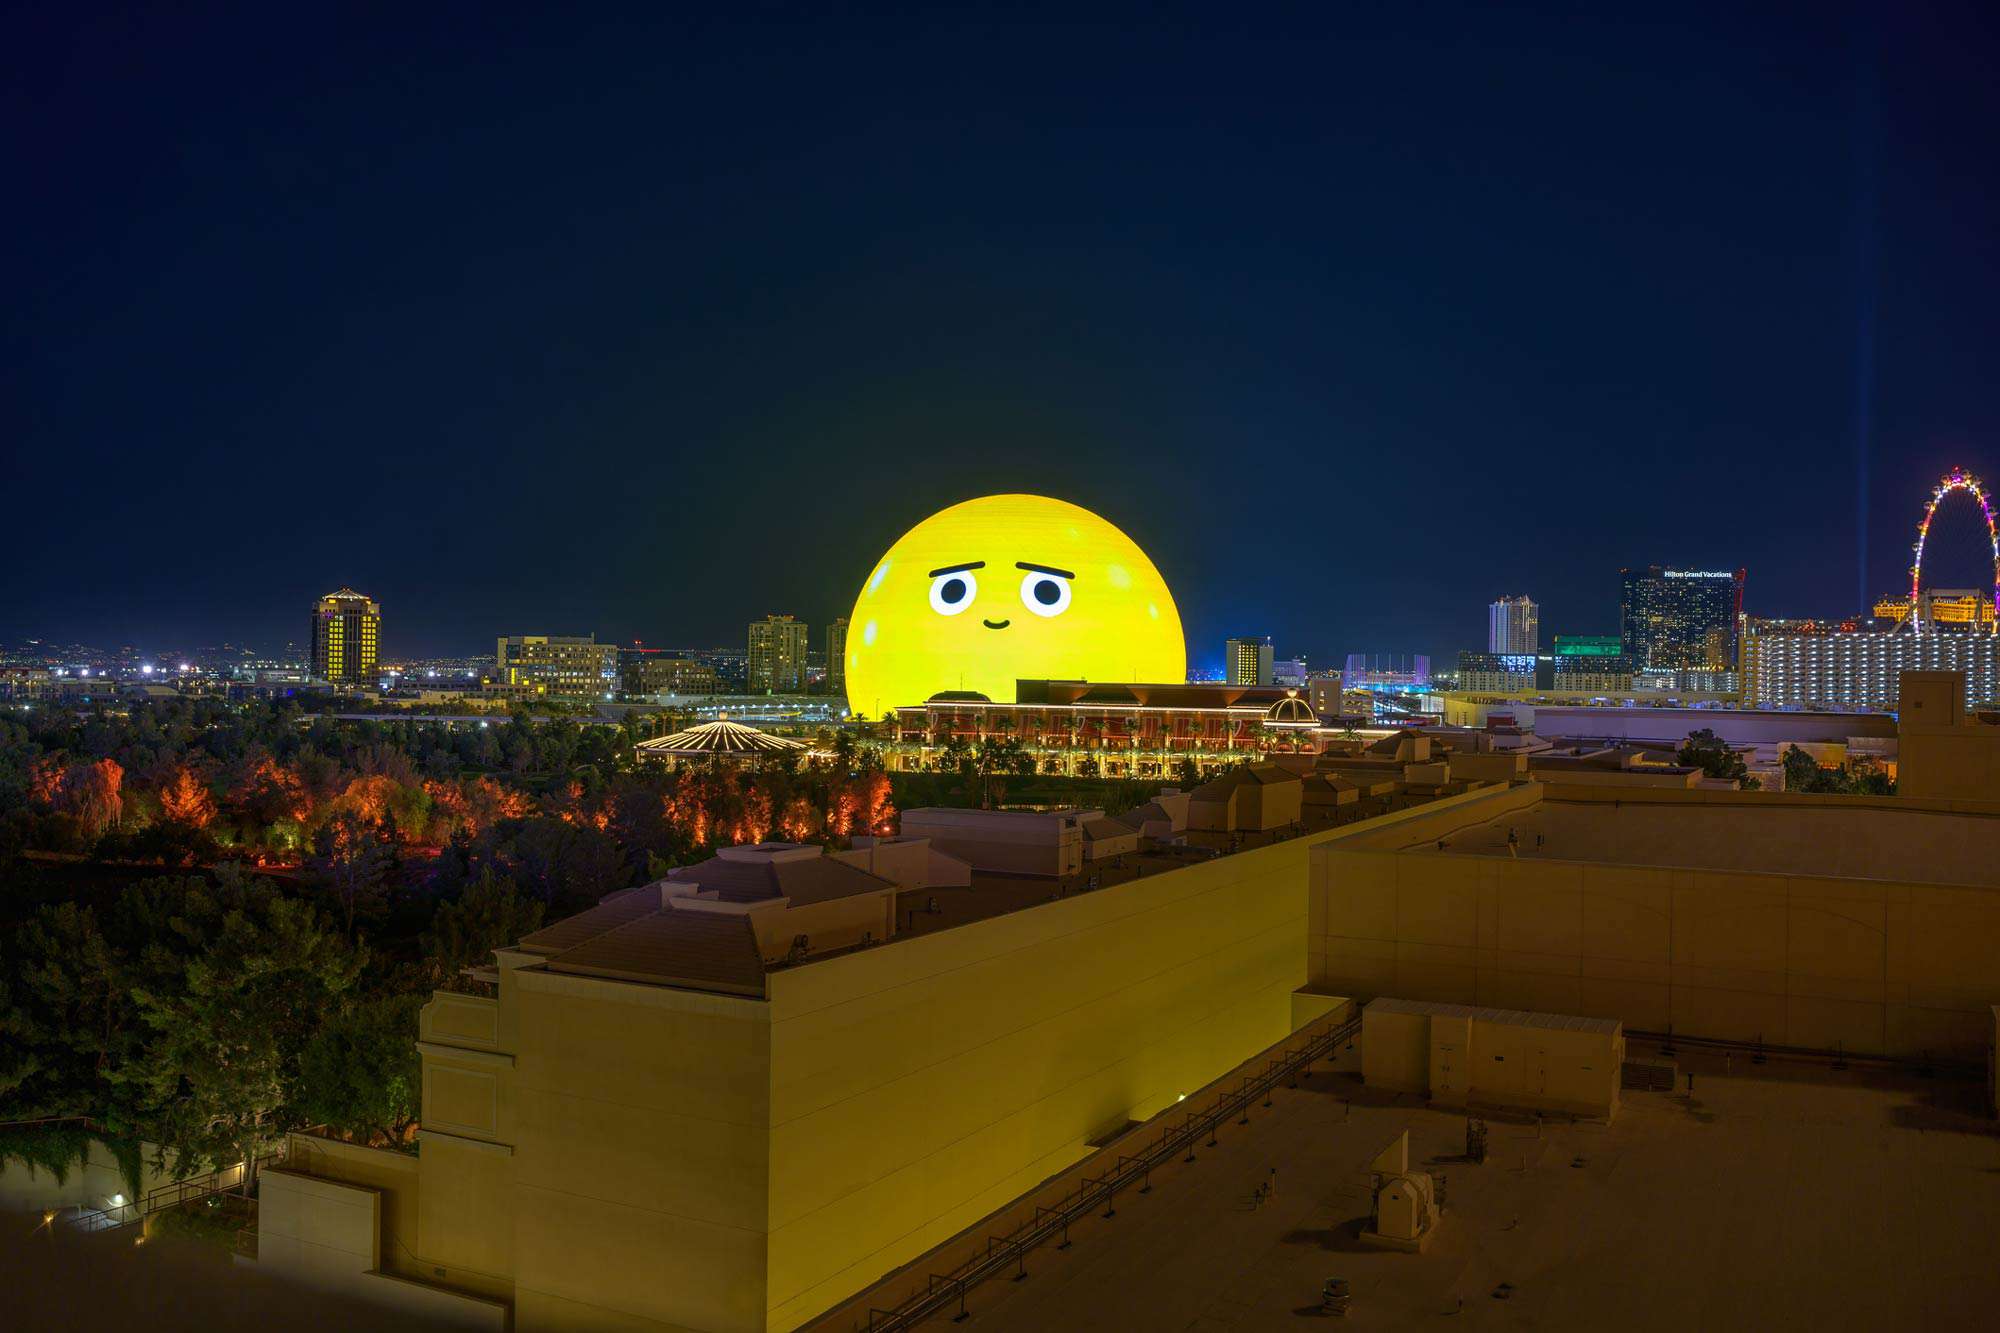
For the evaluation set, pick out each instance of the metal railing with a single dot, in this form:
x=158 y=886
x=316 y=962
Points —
x=1836 y=1057
x=1099 y=1194
x=173 y=1194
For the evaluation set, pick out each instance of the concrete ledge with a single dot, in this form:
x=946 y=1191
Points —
x=456 y=1309
x=461 y=1141
x=471 y=1055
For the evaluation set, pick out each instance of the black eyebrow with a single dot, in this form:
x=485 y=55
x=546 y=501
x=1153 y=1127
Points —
x=1044 y=569
x=953 y=569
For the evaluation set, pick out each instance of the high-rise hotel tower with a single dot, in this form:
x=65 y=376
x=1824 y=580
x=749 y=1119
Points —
x=346 y=633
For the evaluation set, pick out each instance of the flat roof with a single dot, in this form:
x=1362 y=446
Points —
x=1517 y=1018
x=632 y=935
x=1832 y=837
x=1772 y=1197
x=703 y=950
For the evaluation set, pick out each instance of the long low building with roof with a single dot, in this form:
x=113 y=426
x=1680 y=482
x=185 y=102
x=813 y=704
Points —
x=1141 y=730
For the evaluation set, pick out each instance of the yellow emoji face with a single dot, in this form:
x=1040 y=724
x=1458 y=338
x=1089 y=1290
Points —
x=1006 y=588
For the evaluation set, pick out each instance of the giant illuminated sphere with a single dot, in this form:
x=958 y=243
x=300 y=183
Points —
x=1006 y=588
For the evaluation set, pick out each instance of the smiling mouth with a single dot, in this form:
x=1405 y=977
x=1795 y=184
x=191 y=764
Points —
x=997 y=624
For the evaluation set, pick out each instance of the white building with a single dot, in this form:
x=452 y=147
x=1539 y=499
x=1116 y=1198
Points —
x=1862 y=670
x=1513 y=625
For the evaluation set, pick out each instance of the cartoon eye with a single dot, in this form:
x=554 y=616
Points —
x=952 y=591
x=1045 y=593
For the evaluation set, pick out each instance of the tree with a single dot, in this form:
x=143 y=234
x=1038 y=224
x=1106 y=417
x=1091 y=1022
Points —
x=360 y=1074
x=352 y=861
x=65 y=1015
x=876 y=810
x=570 y=865
x=92 y=792
x=994 y=756
x=798 y=821
x=1708 y=752
x=226 y=1019
x=1803 y=773
x=184 y=799
x=490 y=914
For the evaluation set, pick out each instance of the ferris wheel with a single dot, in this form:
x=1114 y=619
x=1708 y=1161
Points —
x=1956 y=480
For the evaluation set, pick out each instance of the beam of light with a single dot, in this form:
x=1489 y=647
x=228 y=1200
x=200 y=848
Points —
x=1867 y=202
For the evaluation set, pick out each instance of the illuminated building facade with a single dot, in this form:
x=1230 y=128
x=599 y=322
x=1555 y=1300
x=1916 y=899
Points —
x=1941 y=607
x=346 y=637
x=778 y=655
x=1581 y=664
x=1593 y=663
x=1862 y=670
x=1324 y=693
x=1388 y=671
x=836 y=656
x=1247 y=661
x=1137 y=730
x=558 y=666
x=1500 y=673
x=670 y=675
x=1513 y=626
x=1681 y=618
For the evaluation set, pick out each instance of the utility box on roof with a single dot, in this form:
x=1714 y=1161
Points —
x=1463 y=1056
x=1395 y=1049
x=1451 y=1058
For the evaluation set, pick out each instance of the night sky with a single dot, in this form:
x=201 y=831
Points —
x=1354 y=319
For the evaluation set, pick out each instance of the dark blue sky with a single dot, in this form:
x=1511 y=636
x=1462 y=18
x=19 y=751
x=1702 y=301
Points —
x=1355 y=318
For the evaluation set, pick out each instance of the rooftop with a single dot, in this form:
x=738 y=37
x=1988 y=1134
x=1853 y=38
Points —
x=1840 y=836
x=1773 y=1197
x=695 y=927
x=720 y=738
x=778 y=870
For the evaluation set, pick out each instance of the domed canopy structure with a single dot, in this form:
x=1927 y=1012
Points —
x=725 y=740
x=1290 y=711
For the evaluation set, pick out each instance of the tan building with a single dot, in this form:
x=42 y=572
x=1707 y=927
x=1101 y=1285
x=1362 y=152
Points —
x=1247 y=660
x=557 y=665
x=670 y=675
x=675 y=1116
x=1324 y=695
x=1870 y=925
x=346 y=637
x=1944 y=752
x=1105 y=838
x=733 y=1098
x=1251 y=797
x=778 y=655
x=1460 y=1056
x=1019 y=842
x=836 y=657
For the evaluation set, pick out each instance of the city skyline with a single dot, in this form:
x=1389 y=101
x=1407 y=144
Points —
x=754 y=670
x=1041 y=302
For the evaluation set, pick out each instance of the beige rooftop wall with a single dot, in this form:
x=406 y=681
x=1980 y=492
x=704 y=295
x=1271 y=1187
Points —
x=1882 y=966
x=917 y=1088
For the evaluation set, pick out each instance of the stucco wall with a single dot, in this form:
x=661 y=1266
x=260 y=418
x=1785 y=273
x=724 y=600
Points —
x=919 y=1087
x=641 y=1137
x=1879 y=966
